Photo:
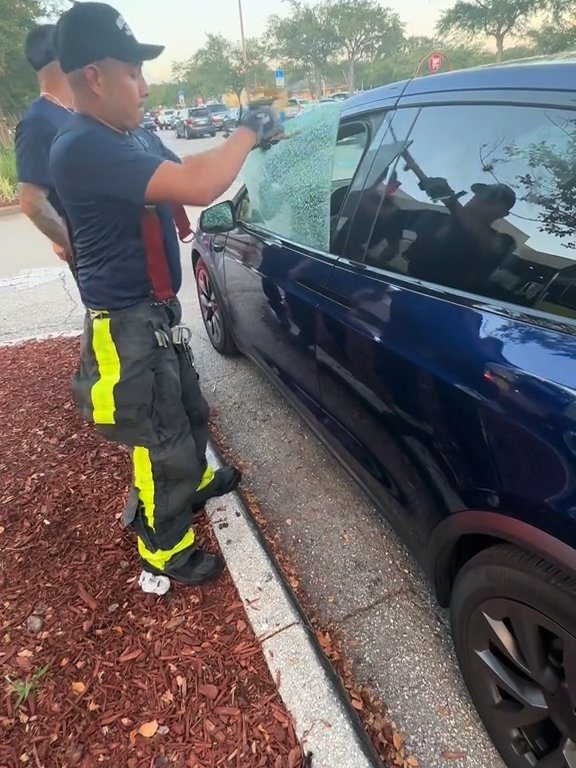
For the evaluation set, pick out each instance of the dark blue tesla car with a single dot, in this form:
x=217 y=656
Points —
x=406 y=273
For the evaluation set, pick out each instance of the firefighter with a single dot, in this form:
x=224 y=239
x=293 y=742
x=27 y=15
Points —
x=137 y=382
x=34 y=136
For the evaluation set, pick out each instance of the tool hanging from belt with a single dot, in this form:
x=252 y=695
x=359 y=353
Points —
x=153 y=239
x=180 y=338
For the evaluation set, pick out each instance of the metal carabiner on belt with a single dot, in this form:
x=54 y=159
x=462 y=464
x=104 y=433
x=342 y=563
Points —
x=181 y=336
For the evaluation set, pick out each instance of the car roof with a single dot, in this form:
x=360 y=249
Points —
x=539 y=73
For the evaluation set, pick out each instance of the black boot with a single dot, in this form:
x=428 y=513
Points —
x=226 y=480
x=199 y=568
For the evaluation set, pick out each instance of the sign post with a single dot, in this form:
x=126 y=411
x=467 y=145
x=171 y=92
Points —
x=435 y=61
x=280 y=78
x=181 y=99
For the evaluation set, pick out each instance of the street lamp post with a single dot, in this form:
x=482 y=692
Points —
x=244 y=52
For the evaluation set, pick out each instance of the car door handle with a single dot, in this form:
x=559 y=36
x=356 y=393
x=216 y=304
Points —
x=273 y=242
x=217 y=247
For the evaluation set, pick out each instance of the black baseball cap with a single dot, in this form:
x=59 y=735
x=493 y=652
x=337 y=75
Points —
x=500 y=193
x=90 y=32
x=40 y=46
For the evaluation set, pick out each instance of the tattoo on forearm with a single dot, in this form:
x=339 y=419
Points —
x=41 y=212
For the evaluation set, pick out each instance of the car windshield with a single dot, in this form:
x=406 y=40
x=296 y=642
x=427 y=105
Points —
x=218 y=108
x=199 y=113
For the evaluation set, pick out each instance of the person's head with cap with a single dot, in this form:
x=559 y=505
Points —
x=103 y=60
x=40 y=52
x=492 y=201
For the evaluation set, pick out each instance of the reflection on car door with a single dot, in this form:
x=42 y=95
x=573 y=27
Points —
x=271 y=287
x=445 y=389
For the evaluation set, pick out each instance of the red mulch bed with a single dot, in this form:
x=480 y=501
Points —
x=134 y=681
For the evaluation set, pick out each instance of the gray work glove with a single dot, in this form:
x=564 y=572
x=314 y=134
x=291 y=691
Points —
x=265 y=123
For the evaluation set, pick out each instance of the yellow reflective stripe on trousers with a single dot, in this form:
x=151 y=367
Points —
x=108 y=362
x=161 y=557
x=144 y=483
x=207 y=478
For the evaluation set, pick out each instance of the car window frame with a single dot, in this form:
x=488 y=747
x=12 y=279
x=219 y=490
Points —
x=557 y=99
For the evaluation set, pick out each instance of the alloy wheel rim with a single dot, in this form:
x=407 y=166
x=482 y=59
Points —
x=524 y=669
x=210 y=308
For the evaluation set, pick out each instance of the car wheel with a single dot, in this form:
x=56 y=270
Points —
x=212 y=313
x=514 y=626
x=213 y=134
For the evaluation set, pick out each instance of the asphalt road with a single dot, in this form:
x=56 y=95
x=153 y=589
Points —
x=359 y=576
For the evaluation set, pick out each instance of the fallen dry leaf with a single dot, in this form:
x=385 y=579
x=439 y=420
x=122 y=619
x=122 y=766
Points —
x=78 y=688
x=148 y=730
x=397 y=740
x=413 y=762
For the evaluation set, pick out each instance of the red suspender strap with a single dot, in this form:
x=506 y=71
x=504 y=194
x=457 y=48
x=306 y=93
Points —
x=182 y=222
x=156 y=261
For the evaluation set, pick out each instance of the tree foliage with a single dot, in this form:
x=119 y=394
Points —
x=17 y=80
x=498 y=19
x=364 y=30
x=304 y=40
x=218 y=67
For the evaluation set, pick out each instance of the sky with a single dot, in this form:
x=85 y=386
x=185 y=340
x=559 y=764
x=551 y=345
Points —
x=181 y=25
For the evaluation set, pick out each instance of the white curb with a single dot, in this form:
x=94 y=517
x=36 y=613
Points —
x=322 y=722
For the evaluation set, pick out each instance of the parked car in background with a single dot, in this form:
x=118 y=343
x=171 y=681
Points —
x=219 y=113
x=340 y=95
x=431 y=342
x=295 y=107
x=231 y=120
x=165 y=119
x=194 y=122
x=148 y=123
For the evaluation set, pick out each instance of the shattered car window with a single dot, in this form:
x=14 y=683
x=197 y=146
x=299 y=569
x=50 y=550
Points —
x=289 y=185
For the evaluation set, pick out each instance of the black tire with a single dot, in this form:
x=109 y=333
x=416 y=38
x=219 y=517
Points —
x=213 y=134
x=514 y=625
x=213 y=315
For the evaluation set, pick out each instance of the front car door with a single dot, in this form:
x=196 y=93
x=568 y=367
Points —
x=278 y=259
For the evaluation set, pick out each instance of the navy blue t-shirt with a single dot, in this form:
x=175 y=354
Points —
x=34 y=136
x=101 y=176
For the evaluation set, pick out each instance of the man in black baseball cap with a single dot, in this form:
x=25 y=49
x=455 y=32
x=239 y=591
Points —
x=137 y=380
x=34 y=136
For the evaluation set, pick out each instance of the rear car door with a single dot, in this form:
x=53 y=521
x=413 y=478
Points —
x=436 y=362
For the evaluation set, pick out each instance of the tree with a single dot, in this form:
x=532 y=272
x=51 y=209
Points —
x=495 y=18
x=17 y=80
x=364 y=30
x=218 y=67
x=303 y=41
x=555 y=37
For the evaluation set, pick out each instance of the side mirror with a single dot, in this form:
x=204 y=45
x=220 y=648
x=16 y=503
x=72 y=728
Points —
x=218 y=219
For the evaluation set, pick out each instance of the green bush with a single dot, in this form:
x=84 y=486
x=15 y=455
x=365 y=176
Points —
x=8 y=175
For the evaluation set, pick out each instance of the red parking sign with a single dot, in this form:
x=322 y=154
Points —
x=435 y=62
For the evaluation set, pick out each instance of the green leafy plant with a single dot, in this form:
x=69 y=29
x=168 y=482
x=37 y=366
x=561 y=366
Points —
x=23 y=689
x=8 y=175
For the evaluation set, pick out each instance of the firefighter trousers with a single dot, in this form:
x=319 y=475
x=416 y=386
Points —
x=138 y=385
